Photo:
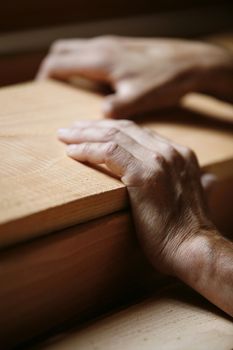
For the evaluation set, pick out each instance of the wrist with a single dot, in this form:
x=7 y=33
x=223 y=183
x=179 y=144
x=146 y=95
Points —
x=195 y=258
x=206 y=266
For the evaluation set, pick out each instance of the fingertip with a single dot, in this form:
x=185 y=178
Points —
x=115 y=107
x=107 y=109
x=111 y=112
x=111 y=116
x=110 y=107
x=71 y=150
x=63 y=134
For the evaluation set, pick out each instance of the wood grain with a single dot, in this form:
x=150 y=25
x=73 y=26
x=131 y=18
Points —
x=174 y=318
x=42 y=190
x=79 y=271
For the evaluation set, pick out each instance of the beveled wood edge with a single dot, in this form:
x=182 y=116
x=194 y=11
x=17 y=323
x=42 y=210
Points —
x=28 y=228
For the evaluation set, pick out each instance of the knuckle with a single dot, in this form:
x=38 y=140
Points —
x=111 y=149
x=86 y=148
x=112 y=133
x=189 y=154
x=159 y=160
x=134 y=178
x=152 y=174
x=135 y=175
x=168 y=149
x=172 y=154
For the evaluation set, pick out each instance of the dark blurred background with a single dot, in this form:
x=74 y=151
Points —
x=28 y=27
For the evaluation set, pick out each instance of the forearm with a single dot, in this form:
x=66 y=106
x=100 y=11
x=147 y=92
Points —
x=207 y=266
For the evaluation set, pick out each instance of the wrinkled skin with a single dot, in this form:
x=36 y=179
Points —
x=145 y=74
x=163 y=181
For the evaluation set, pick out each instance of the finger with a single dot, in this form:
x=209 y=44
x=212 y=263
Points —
x=121 y=104
x=144 y=136
x=91 y=133
x=126 y=102
x=84 y=134
x=67 y=45
x=117 y=159
x=150 y=141
x=176 y=155
x=70 y=64
x=134 y=97
x=104 y=134
x=95 y=123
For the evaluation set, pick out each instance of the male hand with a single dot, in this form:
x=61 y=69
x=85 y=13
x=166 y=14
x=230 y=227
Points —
x=163 y=182
x=145 y=74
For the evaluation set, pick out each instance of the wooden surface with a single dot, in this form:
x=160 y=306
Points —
x=82 y=271
x=79 y=271
x=42 y=190
x=175 y=318
x=76 y=273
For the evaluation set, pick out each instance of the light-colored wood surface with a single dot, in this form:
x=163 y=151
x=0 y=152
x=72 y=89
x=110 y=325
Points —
x=175 y=318
x=42 y=190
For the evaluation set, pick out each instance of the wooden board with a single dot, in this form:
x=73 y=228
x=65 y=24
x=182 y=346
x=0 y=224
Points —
x=75 y=273
x=79 y=271
x=174 y=318
x=42 y=190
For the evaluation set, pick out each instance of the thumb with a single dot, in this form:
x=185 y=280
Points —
x=124 y=102
x=116 y=106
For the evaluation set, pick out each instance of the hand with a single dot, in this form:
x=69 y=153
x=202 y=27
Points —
x=163 y=181
x=145 y=74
